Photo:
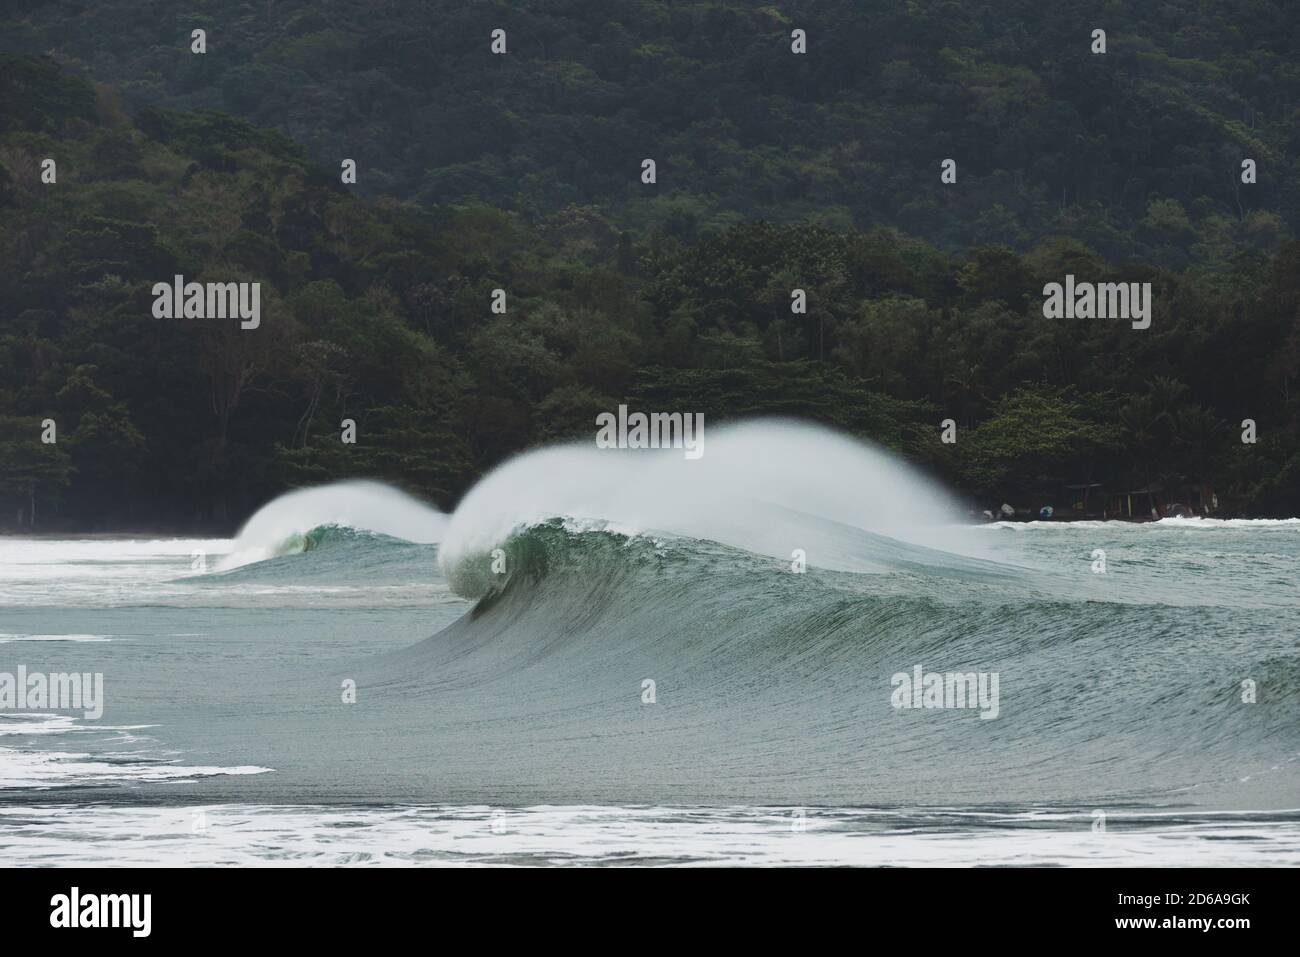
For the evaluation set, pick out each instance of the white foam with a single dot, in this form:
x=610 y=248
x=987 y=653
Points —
x=41 y=770
x=1198 y=522
x=4 y=639
x=63 y=765
x=478 y=835
x=72 y=572
x=1113 y=524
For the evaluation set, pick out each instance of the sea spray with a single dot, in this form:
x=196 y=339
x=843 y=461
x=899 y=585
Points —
x=283 y=526
x=767 y=486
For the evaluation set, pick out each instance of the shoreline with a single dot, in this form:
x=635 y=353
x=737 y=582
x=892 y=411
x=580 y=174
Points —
x=971 y=522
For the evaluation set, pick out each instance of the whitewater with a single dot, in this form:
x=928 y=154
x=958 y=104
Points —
x=621 y=656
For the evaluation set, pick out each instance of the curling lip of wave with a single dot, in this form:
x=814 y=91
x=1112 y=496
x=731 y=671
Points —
x=767 y=486
x=284 y=525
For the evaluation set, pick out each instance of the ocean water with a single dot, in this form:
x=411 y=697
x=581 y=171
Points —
x=503 y=714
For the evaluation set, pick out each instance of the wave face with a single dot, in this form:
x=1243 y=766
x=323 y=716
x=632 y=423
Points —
x=773 y=687
x=776 y=687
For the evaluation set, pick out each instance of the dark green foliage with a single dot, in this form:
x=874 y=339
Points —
x=378 y=311
x=1135 y=153
x=35 y=95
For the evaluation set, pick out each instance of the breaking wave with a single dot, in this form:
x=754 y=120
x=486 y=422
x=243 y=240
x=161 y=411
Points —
x=308 y=518
x=640 y=630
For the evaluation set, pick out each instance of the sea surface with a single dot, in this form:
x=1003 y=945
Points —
x=514 y=728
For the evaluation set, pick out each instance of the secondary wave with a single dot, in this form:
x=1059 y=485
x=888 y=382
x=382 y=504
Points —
x=298 y=521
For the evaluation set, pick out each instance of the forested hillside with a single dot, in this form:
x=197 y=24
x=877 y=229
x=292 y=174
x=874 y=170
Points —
x=1134 y=153
x=522 y=172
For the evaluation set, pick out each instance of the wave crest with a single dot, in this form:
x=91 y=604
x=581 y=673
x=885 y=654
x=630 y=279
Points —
x=305 y=519
x=770 y=487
